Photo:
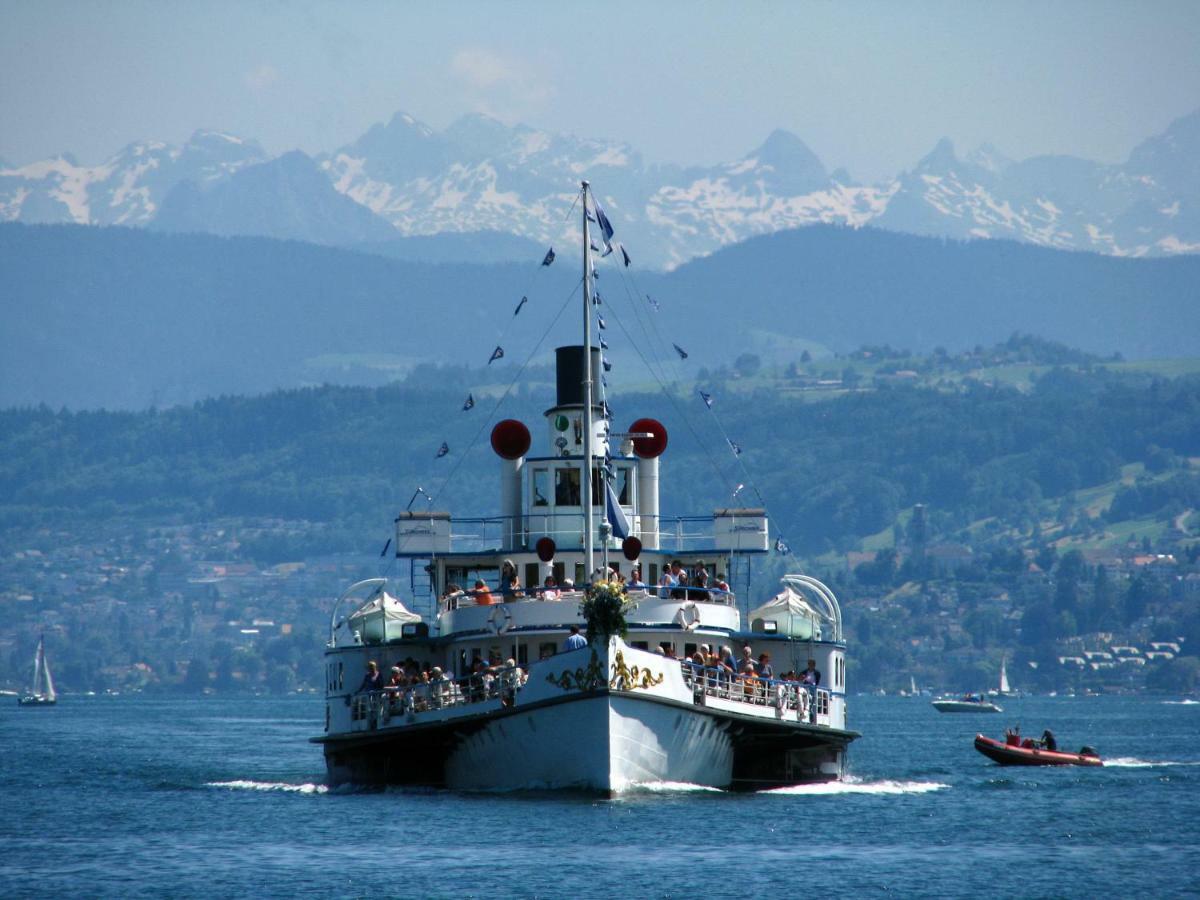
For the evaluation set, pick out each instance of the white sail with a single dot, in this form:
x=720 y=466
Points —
x=1004 y=688
x=49 y=691
x=43 y=684
x=912 y=681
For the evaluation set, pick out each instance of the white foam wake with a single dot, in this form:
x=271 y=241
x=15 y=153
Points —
x=667 y=787
x=1132 y=762
x=1181 y=702
x=242 y=785
x=852 y=785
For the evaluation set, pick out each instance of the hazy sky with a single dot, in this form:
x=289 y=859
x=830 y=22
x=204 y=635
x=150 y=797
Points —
x=869 y=86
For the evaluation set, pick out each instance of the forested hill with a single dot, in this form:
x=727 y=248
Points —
x=833 y=471
x=124 y=318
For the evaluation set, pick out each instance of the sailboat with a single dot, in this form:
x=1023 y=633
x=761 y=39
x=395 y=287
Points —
x=1005 y=690
x=41 y=692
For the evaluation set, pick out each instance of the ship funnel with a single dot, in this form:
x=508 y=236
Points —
x=569 y=366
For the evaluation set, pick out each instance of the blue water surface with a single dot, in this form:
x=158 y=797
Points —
x=218 y=797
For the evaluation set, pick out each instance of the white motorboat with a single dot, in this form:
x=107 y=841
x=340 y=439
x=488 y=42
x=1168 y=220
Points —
x=968 y=703
x=41 y=691
x=490 y=688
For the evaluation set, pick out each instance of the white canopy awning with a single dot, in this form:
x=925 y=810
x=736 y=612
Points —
x=792 y=614
x=380 y=618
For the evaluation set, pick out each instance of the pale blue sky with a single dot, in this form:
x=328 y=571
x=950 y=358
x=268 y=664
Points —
x=868 y=85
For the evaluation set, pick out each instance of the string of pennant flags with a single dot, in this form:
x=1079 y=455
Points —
x=596 y=215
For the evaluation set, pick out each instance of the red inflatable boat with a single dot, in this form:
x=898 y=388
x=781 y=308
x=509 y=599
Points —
x=1028 y=753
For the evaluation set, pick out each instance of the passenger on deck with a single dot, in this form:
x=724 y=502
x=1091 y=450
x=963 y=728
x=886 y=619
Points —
x=679 y=591
x=397 y=682
x=721 y=584
x=746 y=664
x=727 y=659
x=668 y=582
x=575 y=640
x=373 y=680
x=510 y=584
x=764 y=666
x=699 y=580
x=568 y=585
x=550 y=588
x=811 y=675
x=635 y=579
x=1048 y=740
x=483 y=596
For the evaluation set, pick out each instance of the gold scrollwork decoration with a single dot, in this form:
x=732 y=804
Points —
x=580 y=679
x=631 y=678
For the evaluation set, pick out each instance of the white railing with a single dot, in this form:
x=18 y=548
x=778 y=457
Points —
x=479 y=534
x=377 y=708
x=489 y=597
x=806 y=701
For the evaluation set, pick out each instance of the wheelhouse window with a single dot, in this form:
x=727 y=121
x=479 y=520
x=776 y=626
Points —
x=541 y=490
x=566 y=487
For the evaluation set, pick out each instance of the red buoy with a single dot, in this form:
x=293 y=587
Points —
x=648 y=448
x=510 y=439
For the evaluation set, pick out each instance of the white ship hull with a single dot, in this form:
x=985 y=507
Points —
x=604 y=739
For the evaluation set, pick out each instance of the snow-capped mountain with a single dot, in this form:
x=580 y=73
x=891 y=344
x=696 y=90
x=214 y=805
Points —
x=480 y=175
x=287 y=198
x=126 y=189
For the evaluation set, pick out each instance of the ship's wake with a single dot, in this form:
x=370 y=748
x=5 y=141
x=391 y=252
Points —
x=669 y=787
x=1132 y=762
x=854 y=785
x=283 y=786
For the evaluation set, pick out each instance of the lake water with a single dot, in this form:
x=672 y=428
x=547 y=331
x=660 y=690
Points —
x=214 y=797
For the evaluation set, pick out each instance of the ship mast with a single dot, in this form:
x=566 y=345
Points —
x=586 y=473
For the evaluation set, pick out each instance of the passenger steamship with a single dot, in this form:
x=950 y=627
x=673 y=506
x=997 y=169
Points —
x=509 y=706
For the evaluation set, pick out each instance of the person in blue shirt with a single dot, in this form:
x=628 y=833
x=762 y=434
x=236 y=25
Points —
x=635 y=579
x=575 y=640
x=373 y=680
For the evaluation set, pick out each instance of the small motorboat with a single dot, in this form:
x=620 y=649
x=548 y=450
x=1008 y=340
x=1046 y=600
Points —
x=1013 y=751
x=966 y=703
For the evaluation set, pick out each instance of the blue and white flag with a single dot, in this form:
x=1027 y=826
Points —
x=682 y=353
x=653 y=303
x=781 y=546
x=607 y=365
x=496 y=354
x=600 y=319
x=602 y=221
x=549 y=258
x=603 y=344
x=470 y=402
x=595 y=247
x=442 y=450
x=608 y=248
x=625 y=254
x=524 y=300
x=707 y=398
x=616 y=515
x=737 y=451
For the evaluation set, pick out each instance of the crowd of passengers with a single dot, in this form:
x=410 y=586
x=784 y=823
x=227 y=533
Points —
x=719 y=663
x=677 y=582
x=428 y=685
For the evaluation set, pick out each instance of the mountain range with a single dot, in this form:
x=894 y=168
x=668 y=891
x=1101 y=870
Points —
x=129 y=317
x=501 y=190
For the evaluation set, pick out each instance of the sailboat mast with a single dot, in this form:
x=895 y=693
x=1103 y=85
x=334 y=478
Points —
x=586 y=473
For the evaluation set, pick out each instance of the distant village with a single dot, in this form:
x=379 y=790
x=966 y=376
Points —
x=182 y=608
